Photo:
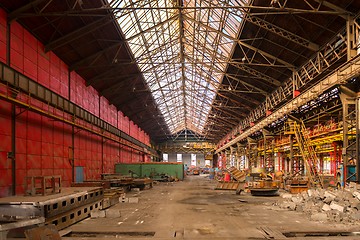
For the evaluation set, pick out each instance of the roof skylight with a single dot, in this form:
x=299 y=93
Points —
x=181 y=49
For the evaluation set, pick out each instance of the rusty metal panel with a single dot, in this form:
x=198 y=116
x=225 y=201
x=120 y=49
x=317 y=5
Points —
x=71 y=107
x=47 y=95
x=33 y=88
x=9 y=75
x=40 y=91
x=42 y=233
x=23 y=83
x=54 y=99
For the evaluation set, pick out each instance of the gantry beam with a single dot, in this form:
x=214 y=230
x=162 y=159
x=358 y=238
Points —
x=340 y=76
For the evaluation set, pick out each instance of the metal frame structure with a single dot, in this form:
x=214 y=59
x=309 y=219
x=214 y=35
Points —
x=210 y=67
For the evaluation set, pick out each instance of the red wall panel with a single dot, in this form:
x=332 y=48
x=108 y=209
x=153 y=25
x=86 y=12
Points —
x=2 y=51
x=17 y=61
x=30 y=68
x=43 y=77
x=43 y=146
x=21 y=145
x=47 y=162
x=17 y=43
x=3 y=17
x=21 y=161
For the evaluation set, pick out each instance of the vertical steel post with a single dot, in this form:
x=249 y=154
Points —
x=351 y=38
x=13 y=119
x=349 y=151
x=72 y=159
x=291 y=165
x=357 y=138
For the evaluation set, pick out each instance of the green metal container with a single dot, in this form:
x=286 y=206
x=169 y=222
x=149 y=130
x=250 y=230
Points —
x=154 y=170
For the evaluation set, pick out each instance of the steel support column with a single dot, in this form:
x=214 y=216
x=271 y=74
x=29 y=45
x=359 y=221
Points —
x=358 y=137
x=350 y=129
x=352 y=35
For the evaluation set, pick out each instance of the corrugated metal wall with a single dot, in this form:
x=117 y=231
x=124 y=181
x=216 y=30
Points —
x=45 y=146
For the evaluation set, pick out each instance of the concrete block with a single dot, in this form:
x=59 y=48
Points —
x=354 y=203
x=344 y=203
x=286 y=195
x=299 y=208
x=337 y=207
x=326 y=207
x=320 y=193
x=133 y=200
x=305 y=195
x=329 y=195
x=284 y=204
x=310 y=193
x=123 y=200
x=97 y=214
x=105 y=203
x=352 y=186
x=292 y=206
x=112 y=213
x=297 y=199
x=322 y=217
x=328 y=200
x=355 y=216
x=356 y=195
x=309 y=206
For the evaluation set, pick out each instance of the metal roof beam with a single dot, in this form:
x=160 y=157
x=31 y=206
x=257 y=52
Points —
x=116 y=86
x=335 y=8
x=15 y=14
x=78 y=64
x=282 y=32
x=227 y=112
x=290 y=66
x=173 y=18
x=214 y=68
x=88 y=28
x=257 y=74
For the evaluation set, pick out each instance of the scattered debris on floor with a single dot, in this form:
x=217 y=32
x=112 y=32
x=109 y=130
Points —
x=325 y=205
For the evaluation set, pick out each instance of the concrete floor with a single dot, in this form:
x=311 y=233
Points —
x=192 y=209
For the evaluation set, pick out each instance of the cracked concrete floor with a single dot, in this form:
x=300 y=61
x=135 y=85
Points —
x=192 y=209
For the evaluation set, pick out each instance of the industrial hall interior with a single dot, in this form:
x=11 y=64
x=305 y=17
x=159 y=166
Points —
x=188 y=119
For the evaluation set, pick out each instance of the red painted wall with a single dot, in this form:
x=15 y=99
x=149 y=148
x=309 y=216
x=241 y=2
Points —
x=44 y=146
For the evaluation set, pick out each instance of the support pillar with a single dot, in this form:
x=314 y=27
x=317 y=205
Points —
x=227 y=156
x=352 y=36
x=350 y=151
x=291 y=161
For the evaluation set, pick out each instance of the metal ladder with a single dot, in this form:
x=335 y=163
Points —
x=307 y=152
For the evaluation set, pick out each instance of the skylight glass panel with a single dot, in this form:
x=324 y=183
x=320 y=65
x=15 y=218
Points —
x=183 y=64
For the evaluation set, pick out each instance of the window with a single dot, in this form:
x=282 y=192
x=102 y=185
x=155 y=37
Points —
x=193 y=159
x=207 y=163
x=179 y=157
x=165 y=157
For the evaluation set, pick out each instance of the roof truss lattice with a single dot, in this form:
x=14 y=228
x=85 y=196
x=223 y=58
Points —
x=167 y=39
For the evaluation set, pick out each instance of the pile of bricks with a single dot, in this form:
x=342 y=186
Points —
x=325 y=205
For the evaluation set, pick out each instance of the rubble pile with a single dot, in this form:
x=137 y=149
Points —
x=325 y=205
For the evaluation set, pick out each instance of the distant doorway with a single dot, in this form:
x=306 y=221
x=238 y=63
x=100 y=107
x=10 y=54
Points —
x=79 y=174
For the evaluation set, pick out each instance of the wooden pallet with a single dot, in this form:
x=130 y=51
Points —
x=237 y=174
x=227 y=185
